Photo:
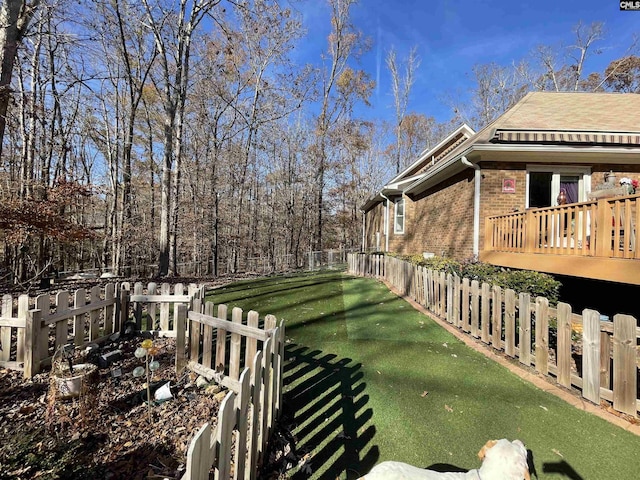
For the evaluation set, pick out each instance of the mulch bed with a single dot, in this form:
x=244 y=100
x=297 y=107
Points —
x=109 y=432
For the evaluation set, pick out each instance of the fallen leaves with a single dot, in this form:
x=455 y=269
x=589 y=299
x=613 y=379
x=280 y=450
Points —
x=448 y=408
x=117 y=440
x=424 y=394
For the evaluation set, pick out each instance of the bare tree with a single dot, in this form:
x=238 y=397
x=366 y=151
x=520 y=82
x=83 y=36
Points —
x=337 y=79
x=623 y=74
x=128 y=44
x=15 y=16
x=401 y=84
x=562 y=69
x=173 y=32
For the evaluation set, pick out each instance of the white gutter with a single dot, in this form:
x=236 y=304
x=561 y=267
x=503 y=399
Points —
x=476 y=205
x=386 y=226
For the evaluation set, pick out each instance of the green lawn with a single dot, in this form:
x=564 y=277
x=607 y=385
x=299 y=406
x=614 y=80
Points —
x=360 y=360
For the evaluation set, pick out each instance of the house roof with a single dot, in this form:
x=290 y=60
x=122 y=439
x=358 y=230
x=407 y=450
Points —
x=564 y=123
x=579 y=111
x=556 y=120
x=417 y=170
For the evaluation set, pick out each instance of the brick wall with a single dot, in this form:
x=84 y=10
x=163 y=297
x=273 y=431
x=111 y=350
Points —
x=439 y=220
x=492 y=200
x=374 y=224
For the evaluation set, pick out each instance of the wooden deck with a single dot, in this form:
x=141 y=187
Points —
x=595 y=239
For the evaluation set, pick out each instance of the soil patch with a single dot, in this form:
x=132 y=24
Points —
x=109 y=432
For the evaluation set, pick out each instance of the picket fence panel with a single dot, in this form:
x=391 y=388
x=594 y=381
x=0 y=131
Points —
x=485 y=312
x=32 y=329
x=251 y=408
x=43 y=324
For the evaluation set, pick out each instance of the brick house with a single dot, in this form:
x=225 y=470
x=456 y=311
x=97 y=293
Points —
x=547 y=143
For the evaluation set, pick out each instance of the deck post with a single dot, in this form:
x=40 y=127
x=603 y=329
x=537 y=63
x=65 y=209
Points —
x=603 y=229
x=529 y=232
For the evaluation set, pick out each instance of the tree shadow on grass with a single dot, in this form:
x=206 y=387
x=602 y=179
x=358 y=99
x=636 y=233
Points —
x=327 y=404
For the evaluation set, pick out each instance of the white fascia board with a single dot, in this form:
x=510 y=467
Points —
x=390 y=187
x=602 y=154
x=427 y=153
x=437 y=172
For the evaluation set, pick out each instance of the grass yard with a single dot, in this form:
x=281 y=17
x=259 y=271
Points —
x=370 y=379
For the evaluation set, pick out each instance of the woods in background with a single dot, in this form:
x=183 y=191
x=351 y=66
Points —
x=158 y=132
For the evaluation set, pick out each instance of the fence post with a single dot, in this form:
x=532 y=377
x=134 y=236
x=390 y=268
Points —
x=525 y=328
x=234 y=350
x=542 y=335
x=485 y=317
x=242 y=411
x=181 y=326
x=5 y=332
x=199 y=455
x=165 y=289
x=224 y=433
x=591 y=346
x=449 y=305
x=137 y=310
x=564 y=345
x=624 y=363
x=122 y=313
x=510 y=322
x=496 y=330
x=33 y=328
x=605 y=360
x=23 y=311
x=475 y=307
x=254 y=440
x=465 y=305
x=109 y=295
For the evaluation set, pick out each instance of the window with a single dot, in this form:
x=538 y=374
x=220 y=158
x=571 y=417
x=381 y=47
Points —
x=398 y=224
x=544 y=183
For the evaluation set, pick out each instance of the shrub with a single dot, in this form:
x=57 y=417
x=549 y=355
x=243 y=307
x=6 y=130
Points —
x=482 y=272
x=521 y=281
x=534 y=283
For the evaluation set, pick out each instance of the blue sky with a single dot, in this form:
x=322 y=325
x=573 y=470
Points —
x=454 y=35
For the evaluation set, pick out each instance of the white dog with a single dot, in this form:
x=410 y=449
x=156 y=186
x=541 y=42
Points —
x=501 y=460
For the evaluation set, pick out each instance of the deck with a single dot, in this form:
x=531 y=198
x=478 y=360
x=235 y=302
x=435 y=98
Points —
x=594 y=239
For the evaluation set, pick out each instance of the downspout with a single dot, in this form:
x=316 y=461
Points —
x=386 y=226
x=364 y=229
x=476 y=205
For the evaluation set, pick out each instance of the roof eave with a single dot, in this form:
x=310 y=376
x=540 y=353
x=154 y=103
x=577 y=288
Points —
x=452 y=166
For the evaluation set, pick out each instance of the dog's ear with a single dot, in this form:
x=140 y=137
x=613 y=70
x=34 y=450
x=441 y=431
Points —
x=487 y=446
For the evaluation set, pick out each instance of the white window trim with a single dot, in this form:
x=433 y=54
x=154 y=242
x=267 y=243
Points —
x=396 y=216
x=584 y=184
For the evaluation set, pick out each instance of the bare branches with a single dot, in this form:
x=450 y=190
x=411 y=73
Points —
x=401 y=84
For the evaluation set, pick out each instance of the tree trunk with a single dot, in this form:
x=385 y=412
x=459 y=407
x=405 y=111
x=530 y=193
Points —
x=14 y=18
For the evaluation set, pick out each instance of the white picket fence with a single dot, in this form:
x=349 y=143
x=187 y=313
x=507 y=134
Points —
x=33 y=328
x=213 y=346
